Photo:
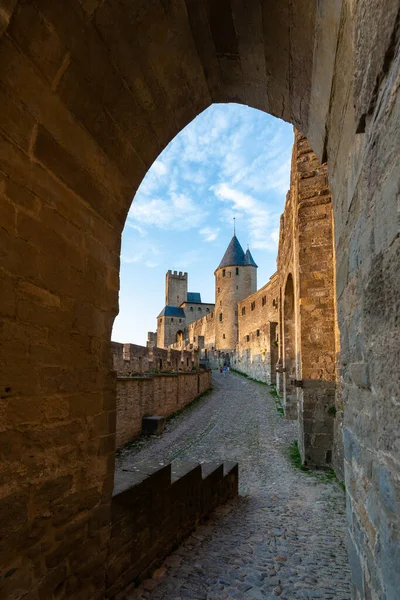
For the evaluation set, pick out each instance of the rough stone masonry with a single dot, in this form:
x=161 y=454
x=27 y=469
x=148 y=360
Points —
x=90 y=94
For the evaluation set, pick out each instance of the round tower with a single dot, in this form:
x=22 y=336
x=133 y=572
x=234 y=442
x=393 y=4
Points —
x=235 y=279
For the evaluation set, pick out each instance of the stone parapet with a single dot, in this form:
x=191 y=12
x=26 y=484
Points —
x=154 y=508
x=131 y=358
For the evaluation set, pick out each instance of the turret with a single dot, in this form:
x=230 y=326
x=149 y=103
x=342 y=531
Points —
x=176 y=286
x=235 y=279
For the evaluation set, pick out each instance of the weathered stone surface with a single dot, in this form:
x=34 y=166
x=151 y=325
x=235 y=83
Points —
x=70 y=191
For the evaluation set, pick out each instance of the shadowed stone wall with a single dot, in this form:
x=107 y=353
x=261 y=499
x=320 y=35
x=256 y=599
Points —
x=154 y=508
x=91 y=92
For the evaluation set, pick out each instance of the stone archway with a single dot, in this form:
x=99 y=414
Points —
x=91 y=92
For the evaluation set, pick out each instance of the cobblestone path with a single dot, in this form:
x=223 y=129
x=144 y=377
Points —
x=284 y=536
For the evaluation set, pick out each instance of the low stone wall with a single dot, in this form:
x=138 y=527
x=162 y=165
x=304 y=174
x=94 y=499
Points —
x=161 y=395
x=154 y=508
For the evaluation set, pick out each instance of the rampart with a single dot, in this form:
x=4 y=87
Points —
x=154 y=508
x=160 y=395
x=130 y=358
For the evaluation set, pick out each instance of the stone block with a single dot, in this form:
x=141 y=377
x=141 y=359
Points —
x=153 y=425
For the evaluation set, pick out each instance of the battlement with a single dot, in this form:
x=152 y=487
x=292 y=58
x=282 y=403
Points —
x=177 y=275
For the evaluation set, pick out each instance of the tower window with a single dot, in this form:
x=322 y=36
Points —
x=223 y=272
x=253 y=305
x=220 y=302
x=243 y=310
x=172 y=319
x=258 y=333
x=194 y=338
x=180 y=320
x=237 y=287
x=220 y=316
x=207 y=310
x=237 y=270
x=247 y=338
x=223 y=335
x=219 y=289
x=264 y=301
x=191 y=308
x=199 y=308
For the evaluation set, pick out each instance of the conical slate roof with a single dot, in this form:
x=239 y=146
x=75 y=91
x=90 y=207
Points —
x=249 y=259
x=234 y=255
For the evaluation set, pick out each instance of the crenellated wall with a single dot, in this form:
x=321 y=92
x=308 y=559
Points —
x=131 y=358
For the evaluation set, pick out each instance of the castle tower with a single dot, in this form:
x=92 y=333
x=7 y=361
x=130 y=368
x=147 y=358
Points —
x=176 y=287
x=235 y=279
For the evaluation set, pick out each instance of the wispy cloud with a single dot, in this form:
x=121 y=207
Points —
x=209 y=233
x=255 y=212
x=175 y=211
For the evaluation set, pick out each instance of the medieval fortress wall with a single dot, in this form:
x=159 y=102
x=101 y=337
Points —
x=257 y=347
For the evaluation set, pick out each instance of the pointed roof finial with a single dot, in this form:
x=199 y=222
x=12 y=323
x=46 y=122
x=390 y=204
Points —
x=234 y=225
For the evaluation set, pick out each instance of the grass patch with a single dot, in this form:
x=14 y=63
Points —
x=295 y=458
x=277 y=398
x=325 y=476
x=248 y=377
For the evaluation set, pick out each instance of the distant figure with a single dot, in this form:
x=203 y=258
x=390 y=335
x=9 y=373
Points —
x=228 y=369
x=220 y=370
x=224 y=370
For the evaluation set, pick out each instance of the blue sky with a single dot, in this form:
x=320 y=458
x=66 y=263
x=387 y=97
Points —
x=231 y=161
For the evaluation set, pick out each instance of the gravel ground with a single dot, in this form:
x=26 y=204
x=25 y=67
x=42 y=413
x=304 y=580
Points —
x=284 y=536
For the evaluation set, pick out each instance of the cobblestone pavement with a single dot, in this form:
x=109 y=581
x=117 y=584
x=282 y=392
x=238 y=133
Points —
x=284 y=536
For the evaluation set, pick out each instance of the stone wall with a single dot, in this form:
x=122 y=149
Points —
x=154 y=508
x=308 y=341
x=201 y=333
x=91 y=93
x=257 y=349
x=155 y=395
x=130 y=358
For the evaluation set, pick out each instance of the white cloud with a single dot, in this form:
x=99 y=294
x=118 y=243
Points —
x=159 y=168
x=139 y=251
x=255 y=213
x=176 y=211
x=209 y=233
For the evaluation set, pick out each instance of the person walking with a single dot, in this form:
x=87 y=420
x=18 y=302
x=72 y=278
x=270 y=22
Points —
x=224 y=371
